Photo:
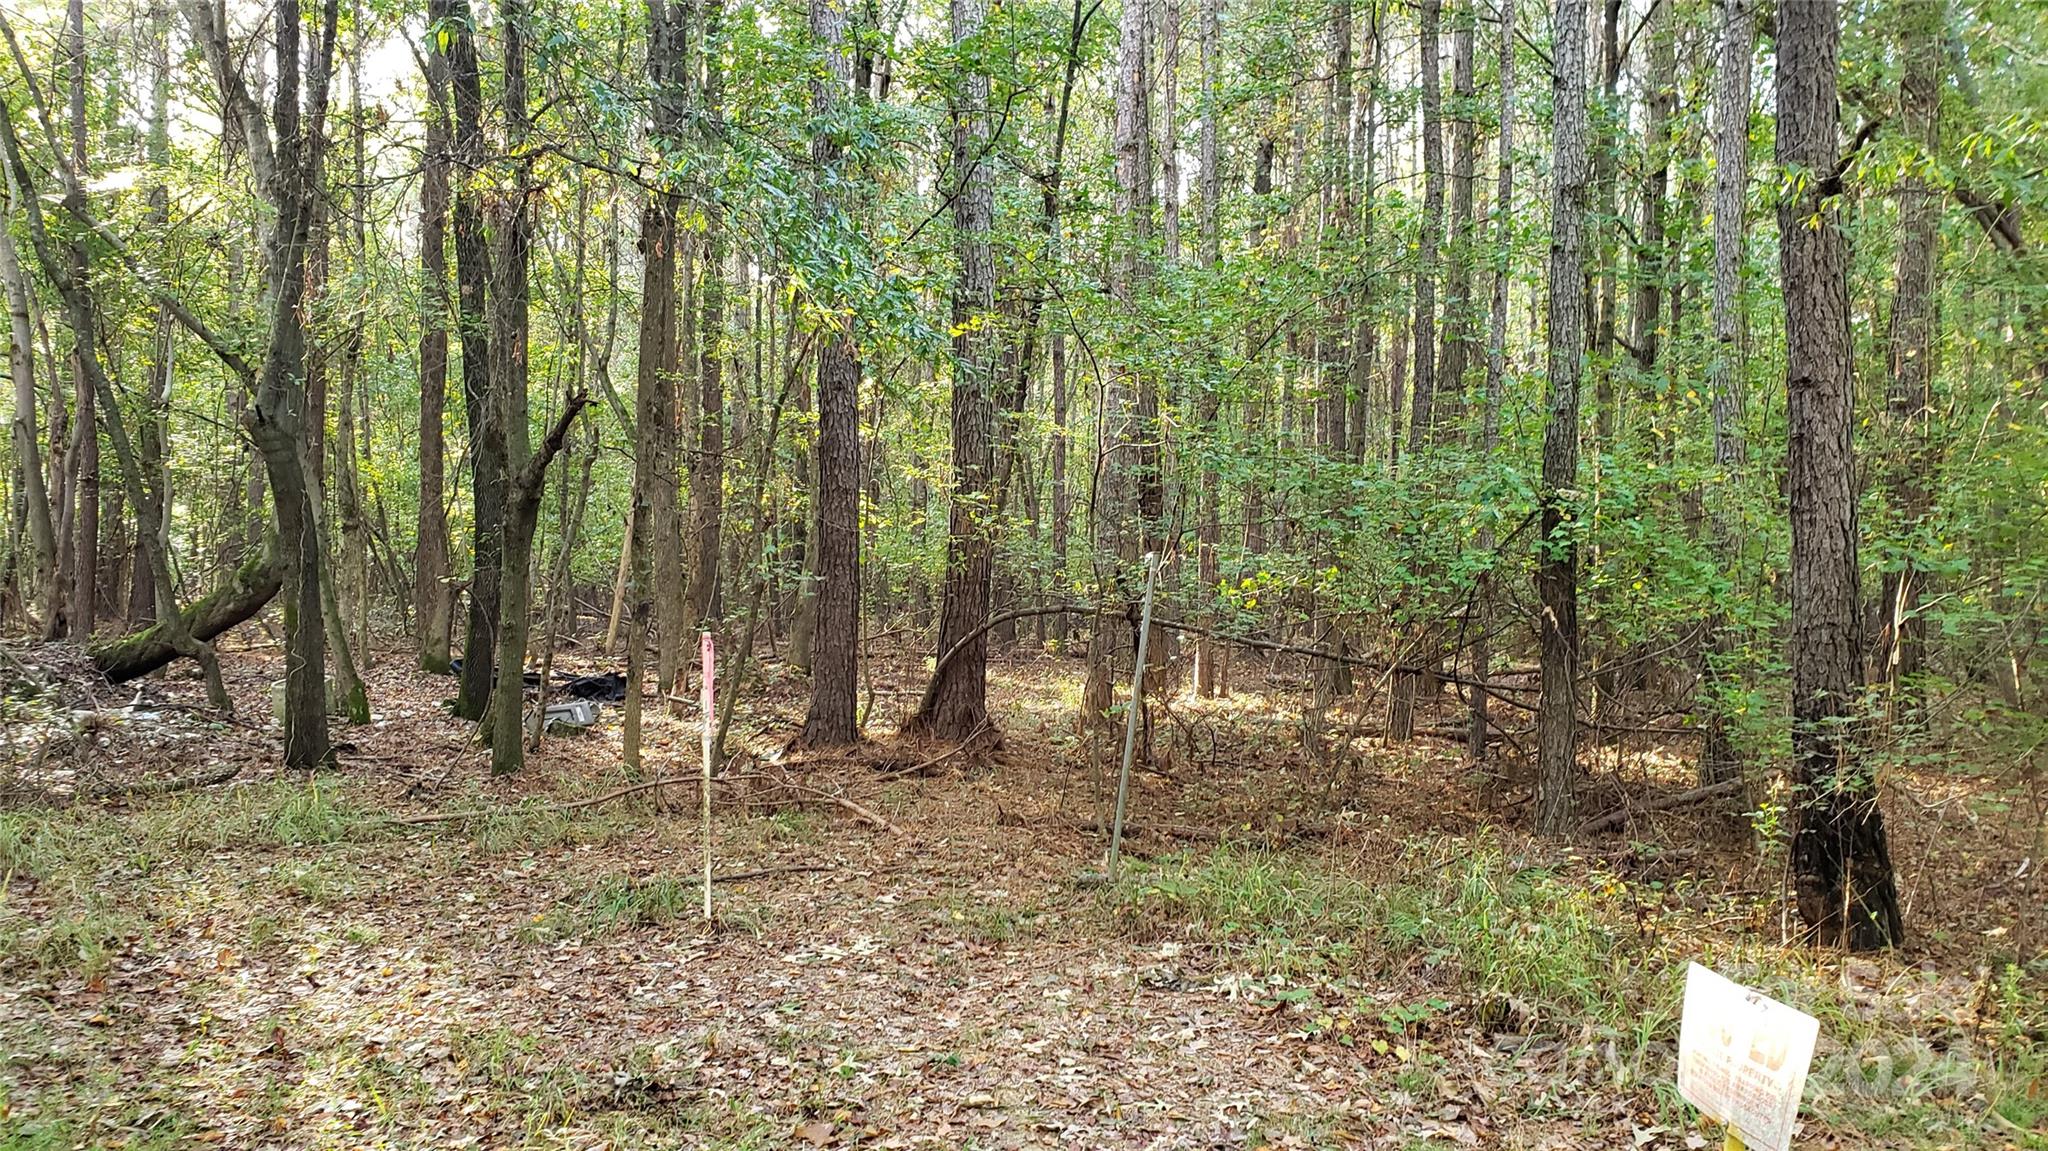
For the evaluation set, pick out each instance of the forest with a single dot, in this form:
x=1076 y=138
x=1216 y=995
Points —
x=1120 y=573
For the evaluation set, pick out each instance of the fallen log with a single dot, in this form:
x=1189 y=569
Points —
x=138 y=653
x=1621 y=815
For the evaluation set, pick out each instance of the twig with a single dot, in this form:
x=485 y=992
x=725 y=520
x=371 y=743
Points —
x=933 y=761
x=149 y=788
x=764 y=872
x=847 y=805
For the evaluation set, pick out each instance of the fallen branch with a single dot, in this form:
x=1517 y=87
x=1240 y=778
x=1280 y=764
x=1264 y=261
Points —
x=841 y=802
x=1621 y=815
x=846 y=805
x=922 y=766
x=1344 y=658
x=553 y=808
x=764 y=872
x=150 y=788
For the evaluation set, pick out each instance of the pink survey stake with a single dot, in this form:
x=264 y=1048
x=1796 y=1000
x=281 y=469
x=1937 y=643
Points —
x=710 y=665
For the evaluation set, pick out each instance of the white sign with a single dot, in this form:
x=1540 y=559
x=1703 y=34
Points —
x=1742 y=1058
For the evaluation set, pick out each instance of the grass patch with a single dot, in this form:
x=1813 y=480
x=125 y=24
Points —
x=618 y=903
x=81 y=939
x=141 y=1130
x=987 y=918
x=282 y=813
x=532 y=826
x=78 y=881
x=1577 y=953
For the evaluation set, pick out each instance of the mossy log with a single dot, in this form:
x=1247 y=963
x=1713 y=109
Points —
x=138 y=653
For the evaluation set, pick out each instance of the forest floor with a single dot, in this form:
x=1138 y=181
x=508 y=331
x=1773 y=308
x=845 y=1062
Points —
x=1361 y=954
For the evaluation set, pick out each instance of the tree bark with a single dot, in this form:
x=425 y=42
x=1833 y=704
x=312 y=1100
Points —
x=1909 y=401
x=1736 y=50
x=1841 y=863
x=1208 y=523
x=35 y=493
x=433 y=598
x=224 y=608
x=707 y=466
x=1422 y=418
x=1496 y=373
x=654 y=386
x=1461 y=331
x=955 y=703
x=473 y=278
x=831 y=719
x=1557 y=558
x=84 y=457
x=285 y=153
x=525 y=472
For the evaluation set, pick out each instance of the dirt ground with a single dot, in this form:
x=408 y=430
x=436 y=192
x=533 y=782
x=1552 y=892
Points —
x=912 y=948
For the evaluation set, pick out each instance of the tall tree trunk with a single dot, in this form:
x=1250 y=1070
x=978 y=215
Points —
x=654 y=473
x=35 y=492
x=1660 y=98
x=524 y=473
x=1461 y=329
x=1062 y=490
x=707 y=466
x=84 y=457
x=1149 y=470
x=1735 y=56
x=286 y=157
x=1208 y=523
x=1366 y=335
x=955 y=703
x=473 y=277
x=1909 y=401
x=153 y=431
x=433 y=599
x=354 y=581
x=1117 y=476
x=831 y=720
x=1169 y=131
x=1557 y=576
x=1608 y=123
x=1841 y=863
x=1496 y=372
x=1423 y=397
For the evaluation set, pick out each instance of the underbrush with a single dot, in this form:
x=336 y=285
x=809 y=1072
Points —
x=1593 y=965
x=617 y=903
x=73 y=880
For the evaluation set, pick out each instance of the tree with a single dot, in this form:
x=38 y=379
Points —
x=1421 y=423
x=1496 y=367
x=707 y=465
x=1734 y=55
x=525 y=470
x=1117 y=476
x=1909 y=400
x=433 y=600
x=285 y=151
x=654 y=385
x=831 y=720
x=1557 y=554
x=473 y=323
x=1841 y=862
x=35 y=494
x=955 y=703
x=1210 y=679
